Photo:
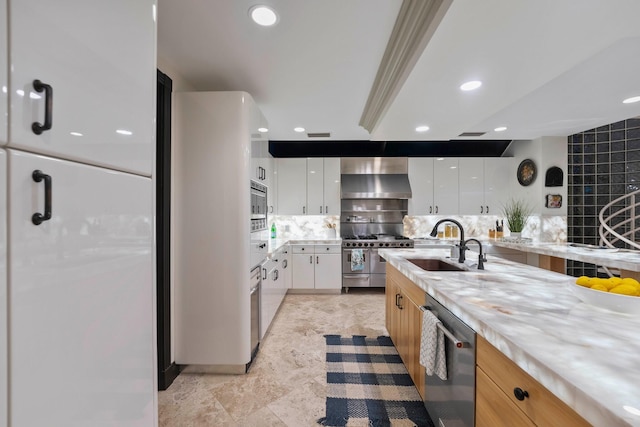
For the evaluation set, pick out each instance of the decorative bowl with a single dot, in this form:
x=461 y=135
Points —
x=613 y=302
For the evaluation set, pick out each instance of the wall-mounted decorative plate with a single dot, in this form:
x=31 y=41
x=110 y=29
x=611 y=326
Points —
x=527 y=172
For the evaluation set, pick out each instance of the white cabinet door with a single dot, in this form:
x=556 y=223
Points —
x=315 y=186
x=4 y=83
x=497 y=176
x=81 y=296
x=328 y=271
x=421 y=181
x=99 y=59
x=266 y=296
x=292 y=186
x=471 y=186
x=272 y=184
x=445 y=186
x=3 y=290
x=302 y=274
x=332 y=186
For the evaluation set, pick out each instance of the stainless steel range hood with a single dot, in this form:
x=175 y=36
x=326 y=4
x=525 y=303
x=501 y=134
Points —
x=374 y=178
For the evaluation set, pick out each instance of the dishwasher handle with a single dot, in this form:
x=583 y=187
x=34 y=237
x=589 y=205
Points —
x=447 y=333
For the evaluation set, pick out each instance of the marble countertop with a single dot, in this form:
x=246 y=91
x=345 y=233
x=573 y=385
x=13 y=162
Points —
x=626 y=260
x=587 y=356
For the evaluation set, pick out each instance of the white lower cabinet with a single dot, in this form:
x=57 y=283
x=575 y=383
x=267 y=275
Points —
x=273 y=289
x=4 y=348
x=81 y=323
x=317 y=267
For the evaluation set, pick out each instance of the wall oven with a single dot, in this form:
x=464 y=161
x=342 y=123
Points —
x=258 y=206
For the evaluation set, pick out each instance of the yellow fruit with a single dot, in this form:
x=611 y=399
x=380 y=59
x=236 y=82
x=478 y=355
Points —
x=625 y=290
x=630 y=281
x=583 y=281
x=599 y=287
x=615 y=280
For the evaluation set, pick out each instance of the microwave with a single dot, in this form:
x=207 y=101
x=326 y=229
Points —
x=258 y=206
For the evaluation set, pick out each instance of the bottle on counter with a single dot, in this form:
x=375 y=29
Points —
x=273 y=230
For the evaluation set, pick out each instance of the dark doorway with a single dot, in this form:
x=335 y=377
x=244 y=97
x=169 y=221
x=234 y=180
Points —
x=167 y=370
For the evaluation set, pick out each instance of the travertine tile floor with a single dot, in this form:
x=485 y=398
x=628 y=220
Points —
x=286 y=384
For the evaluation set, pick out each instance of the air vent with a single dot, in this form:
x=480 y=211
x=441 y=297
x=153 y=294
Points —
x=468 y=134
x=318 y=134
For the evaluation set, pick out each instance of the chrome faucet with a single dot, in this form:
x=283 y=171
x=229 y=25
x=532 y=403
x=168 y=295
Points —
x=482 y=257
x=461 y=245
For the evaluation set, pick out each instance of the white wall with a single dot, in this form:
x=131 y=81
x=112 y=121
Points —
x=545 y=153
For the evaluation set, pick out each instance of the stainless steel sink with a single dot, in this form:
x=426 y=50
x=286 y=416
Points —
x=434 y=264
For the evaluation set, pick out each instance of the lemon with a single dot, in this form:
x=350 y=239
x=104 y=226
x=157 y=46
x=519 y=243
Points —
x=615 y=280
x=625 y=290
x=608 y=283
x=631 y=281
x=599 y=287
x=583 y=281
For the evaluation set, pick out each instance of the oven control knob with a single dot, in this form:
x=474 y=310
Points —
x=386 y=244
x=359 y=244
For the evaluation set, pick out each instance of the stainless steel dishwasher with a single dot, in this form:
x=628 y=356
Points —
x=255 y=284
x=451 y=403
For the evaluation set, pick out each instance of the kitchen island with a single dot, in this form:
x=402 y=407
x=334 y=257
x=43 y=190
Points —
x=552 y=255
x=584 y=355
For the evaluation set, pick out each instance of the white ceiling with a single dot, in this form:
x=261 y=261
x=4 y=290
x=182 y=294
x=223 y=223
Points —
x=549 y=67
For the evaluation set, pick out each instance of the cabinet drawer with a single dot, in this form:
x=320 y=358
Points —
x=493 y=407
x=328 y=249
x=542 y=406
x=302 y=249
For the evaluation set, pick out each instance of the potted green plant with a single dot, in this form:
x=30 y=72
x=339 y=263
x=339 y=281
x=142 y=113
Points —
x=517 y=213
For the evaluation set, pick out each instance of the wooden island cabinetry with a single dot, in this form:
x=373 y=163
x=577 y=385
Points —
x=404 y=322
x=506 y=396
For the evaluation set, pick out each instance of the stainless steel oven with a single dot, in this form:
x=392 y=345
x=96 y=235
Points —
x=374 y=267
x=451 y=402
x=258 y=206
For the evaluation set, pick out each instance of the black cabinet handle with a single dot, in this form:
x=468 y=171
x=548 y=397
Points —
x=38 y=218
x=37 y=127
x=520 y=394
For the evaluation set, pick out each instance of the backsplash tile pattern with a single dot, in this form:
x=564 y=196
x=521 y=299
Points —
x=604 y=163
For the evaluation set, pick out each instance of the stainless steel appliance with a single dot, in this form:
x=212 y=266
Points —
x=374 y=267
x=255 y=283
x=258 y=206
x=374 y=201
x=451 y=403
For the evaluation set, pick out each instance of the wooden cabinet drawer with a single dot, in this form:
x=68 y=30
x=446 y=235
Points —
x=541 y=406
x=493 y=407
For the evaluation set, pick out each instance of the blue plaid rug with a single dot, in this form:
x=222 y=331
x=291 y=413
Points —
x=368 y=385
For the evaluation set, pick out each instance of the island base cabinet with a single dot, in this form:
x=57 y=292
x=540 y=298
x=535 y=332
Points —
x=404 y=322
x=498 y=378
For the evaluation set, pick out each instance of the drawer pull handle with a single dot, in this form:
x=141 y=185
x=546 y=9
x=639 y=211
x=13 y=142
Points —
x=37 y=218
x=40 y=87
x=520 y=394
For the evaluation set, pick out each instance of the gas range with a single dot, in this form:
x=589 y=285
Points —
x=376 y=241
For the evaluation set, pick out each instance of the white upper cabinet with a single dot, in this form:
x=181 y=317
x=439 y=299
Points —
x=421 y=181
x=292 y=186
x=4 y=83
x=95 y=85
x=434 y=186
x=308 y=186
x=484 y=185
x=332 y=186
x=315 y=186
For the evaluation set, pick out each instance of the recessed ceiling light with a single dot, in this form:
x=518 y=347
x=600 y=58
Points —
x=422 y=128
x=500 y=129
x=471 y=85
x=631 y=100
x=440 y=158
x=299 y=129
x=124 y=132
x=75 y=133
x=263 y=130
x=263 y=15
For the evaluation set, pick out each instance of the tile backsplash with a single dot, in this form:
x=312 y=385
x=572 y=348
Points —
x=604 y=163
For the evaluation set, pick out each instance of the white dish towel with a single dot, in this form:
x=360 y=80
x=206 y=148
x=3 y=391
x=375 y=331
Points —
x=432 y=355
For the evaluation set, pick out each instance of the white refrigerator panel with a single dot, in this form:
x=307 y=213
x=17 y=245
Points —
x=3 y=290
x=100 y=60
x=80 y=296
x=4 y=83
